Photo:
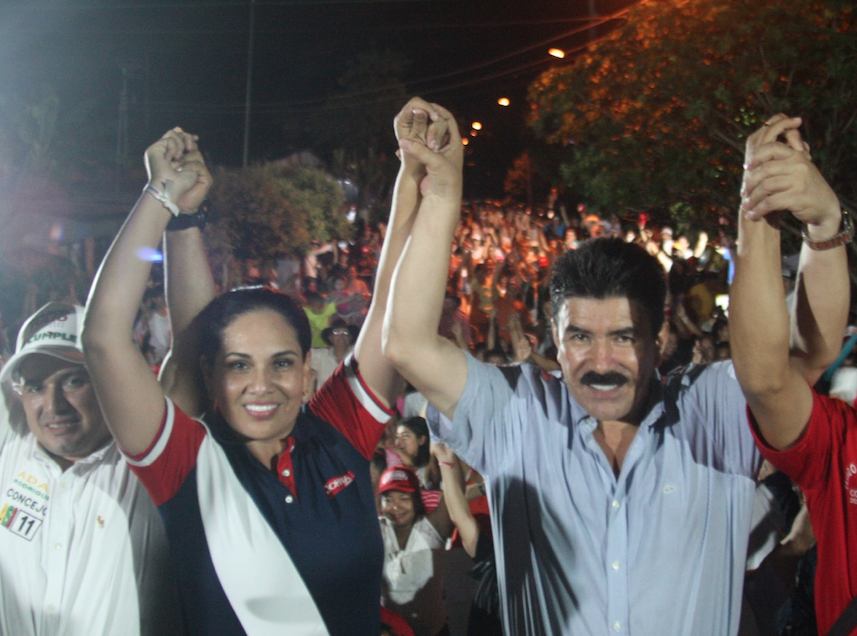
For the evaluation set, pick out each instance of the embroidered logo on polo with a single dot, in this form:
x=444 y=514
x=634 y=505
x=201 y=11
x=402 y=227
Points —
x=850 y=471
x=24 y=505
x=336 y=485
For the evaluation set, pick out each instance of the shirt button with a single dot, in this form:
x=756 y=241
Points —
x=289 y=499
x=615 y=505
x=615 y=565
x=617 y=626
x=58 y=546
x=287 y=473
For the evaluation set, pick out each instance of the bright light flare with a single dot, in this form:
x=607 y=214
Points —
x=57 y=232
x=150 y=255
x=464 y=141
x=503 y=101
x=476 y=125
x=557 y=53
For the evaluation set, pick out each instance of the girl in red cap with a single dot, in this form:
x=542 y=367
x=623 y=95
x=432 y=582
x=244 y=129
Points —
x=413 y=552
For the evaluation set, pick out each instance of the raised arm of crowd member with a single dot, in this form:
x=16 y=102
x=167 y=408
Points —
x=523 y=349
x=130 y=396
x=781 y=177
x=701 y=244
x=453 y=494
x=420 y=123
x=434 y=365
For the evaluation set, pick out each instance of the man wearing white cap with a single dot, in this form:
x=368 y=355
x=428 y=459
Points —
x=82 y=549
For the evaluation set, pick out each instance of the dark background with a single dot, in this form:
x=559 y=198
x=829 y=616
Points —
x=184 y=63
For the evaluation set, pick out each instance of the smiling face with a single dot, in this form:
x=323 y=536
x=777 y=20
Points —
x=258 y=379
x=61 y=408
x=399 y=508
x=607 y=353
x=408 y=442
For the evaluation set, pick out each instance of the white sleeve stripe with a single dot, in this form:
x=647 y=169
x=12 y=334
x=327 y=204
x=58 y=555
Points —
x=367 y=401
x=149 y=458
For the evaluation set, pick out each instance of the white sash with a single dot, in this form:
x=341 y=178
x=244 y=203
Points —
x=265 y=589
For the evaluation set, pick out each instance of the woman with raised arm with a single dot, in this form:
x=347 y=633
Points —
x=268 y=504
x=484 y=616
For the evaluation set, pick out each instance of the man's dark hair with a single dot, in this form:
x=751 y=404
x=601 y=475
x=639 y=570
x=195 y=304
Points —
x=611 y=268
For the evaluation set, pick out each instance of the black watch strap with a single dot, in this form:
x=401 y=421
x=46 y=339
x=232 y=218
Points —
x=185 y=221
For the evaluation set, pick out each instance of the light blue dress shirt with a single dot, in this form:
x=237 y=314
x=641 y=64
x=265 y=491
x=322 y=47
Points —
x=658 y=550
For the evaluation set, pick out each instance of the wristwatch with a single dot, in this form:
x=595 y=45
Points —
x=843 y=236
x=185 y=221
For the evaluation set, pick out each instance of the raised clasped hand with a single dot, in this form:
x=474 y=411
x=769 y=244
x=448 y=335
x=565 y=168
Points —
x=430 y=147
x=780 y=175
x=175 y=157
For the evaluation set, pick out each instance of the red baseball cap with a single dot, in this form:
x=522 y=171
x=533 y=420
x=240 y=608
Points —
x=399 y=478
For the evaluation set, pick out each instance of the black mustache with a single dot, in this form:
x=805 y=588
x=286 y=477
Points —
x=591 y=377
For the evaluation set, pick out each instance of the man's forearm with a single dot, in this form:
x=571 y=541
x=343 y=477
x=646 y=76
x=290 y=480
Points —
x=421 y=277
x=758 y=320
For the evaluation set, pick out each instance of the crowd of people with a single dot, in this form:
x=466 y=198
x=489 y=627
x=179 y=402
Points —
x=468 y=420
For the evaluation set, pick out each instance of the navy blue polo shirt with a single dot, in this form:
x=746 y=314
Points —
x=320 y=505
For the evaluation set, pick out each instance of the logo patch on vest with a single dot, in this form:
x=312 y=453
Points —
x=336 y=485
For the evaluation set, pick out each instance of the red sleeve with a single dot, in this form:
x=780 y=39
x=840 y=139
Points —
x=166 y=464
x=809 y=461
x=350 y=407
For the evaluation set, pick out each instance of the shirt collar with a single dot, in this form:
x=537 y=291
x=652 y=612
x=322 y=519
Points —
x=97 y=457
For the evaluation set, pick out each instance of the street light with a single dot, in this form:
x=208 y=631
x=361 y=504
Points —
x=476 y=125
x=557 y=53
x=503 y=101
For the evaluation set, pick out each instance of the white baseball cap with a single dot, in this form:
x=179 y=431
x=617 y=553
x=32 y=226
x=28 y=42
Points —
x=54 y=330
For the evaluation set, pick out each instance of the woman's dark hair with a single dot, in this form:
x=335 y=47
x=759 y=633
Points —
x=222 y=311
x=418 y=426
x=611 y=268
x=419 y=504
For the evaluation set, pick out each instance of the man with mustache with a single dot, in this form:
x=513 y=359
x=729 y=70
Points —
x=619 y=504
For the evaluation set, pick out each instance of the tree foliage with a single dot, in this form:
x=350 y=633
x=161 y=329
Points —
x=355 y=126
x=657 y=113
x=272 y=211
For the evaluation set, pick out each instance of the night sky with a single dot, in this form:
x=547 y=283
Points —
x=186 y=60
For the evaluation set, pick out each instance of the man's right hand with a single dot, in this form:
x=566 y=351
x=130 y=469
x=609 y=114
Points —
x=442 y=154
